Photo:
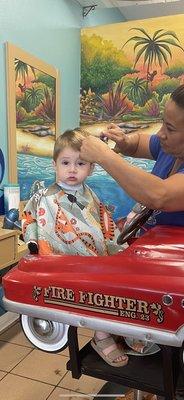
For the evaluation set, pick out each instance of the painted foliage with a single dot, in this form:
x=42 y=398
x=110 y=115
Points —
x=128 y=71
x=33 y=118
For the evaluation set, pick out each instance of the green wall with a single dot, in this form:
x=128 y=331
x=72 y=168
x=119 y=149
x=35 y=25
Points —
x=50 y=30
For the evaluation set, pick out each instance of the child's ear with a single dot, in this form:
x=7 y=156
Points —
x=92 y=168
x=53 y=164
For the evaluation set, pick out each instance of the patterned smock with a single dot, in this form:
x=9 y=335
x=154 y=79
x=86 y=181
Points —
x=69 y=222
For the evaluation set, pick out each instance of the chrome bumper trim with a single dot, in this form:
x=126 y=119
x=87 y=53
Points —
x=122 y=329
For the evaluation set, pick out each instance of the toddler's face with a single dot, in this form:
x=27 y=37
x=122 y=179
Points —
x=70 y=169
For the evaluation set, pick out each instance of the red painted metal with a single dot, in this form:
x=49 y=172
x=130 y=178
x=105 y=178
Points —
x=127 y=287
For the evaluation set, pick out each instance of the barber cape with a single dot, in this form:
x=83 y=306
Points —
x=65 y=221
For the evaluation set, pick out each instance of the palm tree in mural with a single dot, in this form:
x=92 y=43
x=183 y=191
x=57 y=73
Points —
x=136 y=89
x=33 y=97
x=22 y=70
x=155 y=49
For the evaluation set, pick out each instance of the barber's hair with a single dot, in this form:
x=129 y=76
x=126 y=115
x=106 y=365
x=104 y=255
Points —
x=70 y=138
x=178 y=96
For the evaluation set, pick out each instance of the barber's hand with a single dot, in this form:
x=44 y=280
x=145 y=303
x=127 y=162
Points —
x=93 y=149
x=115 y=133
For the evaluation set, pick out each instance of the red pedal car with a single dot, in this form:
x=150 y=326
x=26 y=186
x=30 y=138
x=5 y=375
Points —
x=137 y=293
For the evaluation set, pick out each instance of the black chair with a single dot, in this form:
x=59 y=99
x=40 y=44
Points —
x=156 y=373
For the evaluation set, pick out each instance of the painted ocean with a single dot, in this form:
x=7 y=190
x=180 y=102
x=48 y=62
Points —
x=40 y=169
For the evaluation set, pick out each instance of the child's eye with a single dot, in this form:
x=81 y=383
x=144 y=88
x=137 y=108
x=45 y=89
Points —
x=80 y=163
x=64 y=163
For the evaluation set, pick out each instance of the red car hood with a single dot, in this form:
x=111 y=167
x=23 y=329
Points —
x=128 y=287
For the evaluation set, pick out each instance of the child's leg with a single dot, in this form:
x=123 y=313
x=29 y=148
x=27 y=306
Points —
x=106 y=346
x=140 y=346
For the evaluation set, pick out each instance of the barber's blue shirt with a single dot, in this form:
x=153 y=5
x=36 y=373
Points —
x=162 y=168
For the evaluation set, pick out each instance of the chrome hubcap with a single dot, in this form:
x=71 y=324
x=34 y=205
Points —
x=43 y=327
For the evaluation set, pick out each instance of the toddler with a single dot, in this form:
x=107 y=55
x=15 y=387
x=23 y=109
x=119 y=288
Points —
x=68 y=218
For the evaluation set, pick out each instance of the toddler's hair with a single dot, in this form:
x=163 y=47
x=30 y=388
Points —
x=71 y=138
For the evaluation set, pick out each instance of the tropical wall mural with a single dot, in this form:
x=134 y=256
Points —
x=128 y=71
x=35 y=127
x=33 y=120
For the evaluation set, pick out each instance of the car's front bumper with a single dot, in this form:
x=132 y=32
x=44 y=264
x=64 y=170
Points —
x=122 y=329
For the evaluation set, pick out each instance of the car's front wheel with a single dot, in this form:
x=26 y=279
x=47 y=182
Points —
x=46 y=335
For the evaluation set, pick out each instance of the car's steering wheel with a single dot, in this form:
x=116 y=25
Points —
x=134 y=225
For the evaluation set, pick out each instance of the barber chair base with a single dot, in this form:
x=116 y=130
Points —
x=157 y=373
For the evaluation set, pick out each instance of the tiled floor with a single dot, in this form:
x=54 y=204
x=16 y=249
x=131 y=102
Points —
x=29 y=374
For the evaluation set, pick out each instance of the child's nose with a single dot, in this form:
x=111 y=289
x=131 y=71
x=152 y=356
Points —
x=73 y=168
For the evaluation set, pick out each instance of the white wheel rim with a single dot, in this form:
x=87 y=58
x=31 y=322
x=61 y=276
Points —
x=47 y=335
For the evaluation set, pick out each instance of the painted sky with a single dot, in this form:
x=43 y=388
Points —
x=119 y=33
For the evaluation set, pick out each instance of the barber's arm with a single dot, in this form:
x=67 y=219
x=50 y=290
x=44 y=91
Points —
x=142 y=186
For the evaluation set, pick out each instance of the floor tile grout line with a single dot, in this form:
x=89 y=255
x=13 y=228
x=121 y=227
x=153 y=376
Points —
x=21 y=360
x=33 y=347
x=63 y=377
x=6 y=373
x=17 y=344
x=31 y=350
x=47 y=398
x=65 y=387
x=45 y=383
x=61 y=387
x=68 y=390
x=40 y=381
x=8 y=328
x=31 y=379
